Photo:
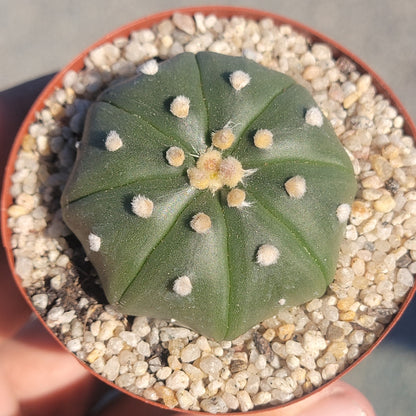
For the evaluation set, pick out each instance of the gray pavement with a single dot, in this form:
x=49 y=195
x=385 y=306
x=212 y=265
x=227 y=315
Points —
x=38 y=37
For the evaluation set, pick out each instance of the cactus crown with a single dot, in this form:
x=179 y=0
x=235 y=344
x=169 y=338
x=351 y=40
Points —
x=210 y=190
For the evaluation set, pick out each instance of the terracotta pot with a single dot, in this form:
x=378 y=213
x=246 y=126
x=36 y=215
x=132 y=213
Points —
x=78 y=63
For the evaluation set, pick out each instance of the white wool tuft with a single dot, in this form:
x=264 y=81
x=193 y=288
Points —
x=343 y=212
x=180 y=106
x=314 y=117
x=267 y=255
x=296 y=187
x=182 y=286
x=149 y=67
x=239 y=80
x=113 y=141
x=94 y=242
x=142 y=206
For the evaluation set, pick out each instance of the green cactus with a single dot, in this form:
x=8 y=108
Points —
x=209 y=190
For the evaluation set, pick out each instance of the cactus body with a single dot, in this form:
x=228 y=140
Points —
x=209 y=192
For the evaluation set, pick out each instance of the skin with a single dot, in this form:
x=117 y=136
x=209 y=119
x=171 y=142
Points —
x=39 y=377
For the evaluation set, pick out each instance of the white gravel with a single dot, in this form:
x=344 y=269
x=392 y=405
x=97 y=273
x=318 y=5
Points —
x=287 y=355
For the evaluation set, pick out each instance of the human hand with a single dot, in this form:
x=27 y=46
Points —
x=39 y=377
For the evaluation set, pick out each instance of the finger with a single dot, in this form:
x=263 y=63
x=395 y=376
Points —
x=14 y=104
x=44 y=378
x=14 y=311
x=338 y=399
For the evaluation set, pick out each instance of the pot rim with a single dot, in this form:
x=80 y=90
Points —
x=146 y=22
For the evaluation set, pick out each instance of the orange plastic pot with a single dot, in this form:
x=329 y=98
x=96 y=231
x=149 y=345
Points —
x=78 y=63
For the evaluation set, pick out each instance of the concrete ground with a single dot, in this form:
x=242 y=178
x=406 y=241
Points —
x=39 y=37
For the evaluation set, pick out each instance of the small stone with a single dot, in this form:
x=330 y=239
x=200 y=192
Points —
x=94 y=355
x=350 y=100
x=178 y=380
x=74 y=345
x=382 y=167
x=314 y=377
x=115 y=345
x=214 y=405
x=167 y=395
x=238 y=365
x=127 y=358
x=140 y=326
x=335 y=333
x=285 y=332
x=130 y=338
x=245 y=401
x=269 y=334
x=111 y=368
x=55 y=314
x=172 y=333
x=190 y=353
x=385 y=204
x=107 y=330
x=143 y=348
x=230 y=400
x=184 y=22
x=405 y=277
x=267 y=255
x=185 y=399
x=210 y=365
x=140 y=368
x=261 y=398
x=372 y=299
x=313 y=341
x=40 y=301
x=15 y=211
x=311 y=72
x=330 y=371
x=360 y=211
x=345 y=304
x=125 y=380
x=179 y=107
x=338 y=349
x=294 y=348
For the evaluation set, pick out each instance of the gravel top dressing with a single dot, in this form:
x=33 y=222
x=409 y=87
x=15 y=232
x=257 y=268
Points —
x=285 y=356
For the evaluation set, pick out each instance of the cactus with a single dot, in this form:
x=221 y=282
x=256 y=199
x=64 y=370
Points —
x=210 y=190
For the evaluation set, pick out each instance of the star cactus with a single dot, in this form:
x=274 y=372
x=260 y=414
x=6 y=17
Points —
x=210 y=190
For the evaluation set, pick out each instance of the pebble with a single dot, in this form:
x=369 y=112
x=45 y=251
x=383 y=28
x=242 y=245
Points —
x=185 y=399
x=178 y=380
x=111 y=368
x=210 y=365
x=184 y=22
x=40 y=301
x=190 y=353
x=245 y=401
